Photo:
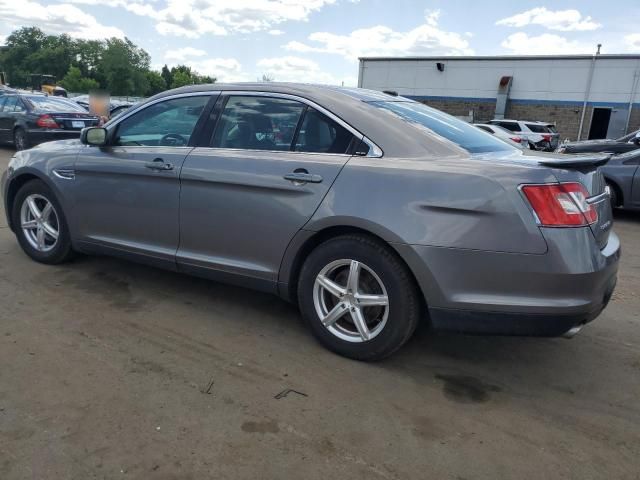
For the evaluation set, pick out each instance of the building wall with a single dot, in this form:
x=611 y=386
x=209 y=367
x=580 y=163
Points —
x=547 y=89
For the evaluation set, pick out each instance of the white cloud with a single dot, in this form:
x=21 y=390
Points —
x=61 y=18
x=194 y=18
x=3 y=39
x=546 y=44
x=180 y=54
x=296 y=69
x=224 y=69
x=632 y=41
x=275 y=31
x=562 y=20
x=426 y=39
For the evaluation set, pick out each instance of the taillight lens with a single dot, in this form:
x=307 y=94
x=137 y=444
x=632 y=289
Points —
x=46 y=121
x=546 y=138
x=561 y=204
x=516 y=139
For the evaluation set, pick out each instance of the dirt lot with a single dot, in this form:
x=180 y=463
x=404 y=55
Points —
x=114 y=370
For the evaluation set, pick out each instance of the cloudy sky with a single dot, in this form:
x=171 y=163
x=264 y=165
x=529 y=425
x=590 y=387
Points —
x=321 y=40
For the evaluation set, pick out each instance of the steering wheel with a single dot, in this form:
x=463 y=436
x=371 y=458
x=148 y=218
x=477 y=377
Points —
x=173 y=140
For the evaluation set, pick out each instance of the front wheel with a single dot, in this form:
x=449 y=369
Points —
x=40 y=225
x=358 y=297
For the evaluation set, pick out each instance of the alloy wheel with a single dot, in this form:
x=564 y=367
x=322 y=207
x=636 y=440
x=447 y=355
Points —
x=39 y=222
x=351 y=300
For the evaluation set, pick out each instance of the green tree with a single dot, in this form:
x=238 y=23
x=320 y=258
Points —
x=156 y=83
x=166 y=75
x=181 y=78
x=73 y=81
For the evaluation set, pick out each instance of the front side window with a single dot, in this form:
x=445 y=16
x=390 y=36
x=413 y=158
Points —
x=169 y=123
x=318 y=133
x=461 y=133
x=257 y=123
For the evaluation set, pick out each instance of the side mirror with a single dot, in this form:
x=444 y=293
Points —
x=96 y=136
x=636 y=139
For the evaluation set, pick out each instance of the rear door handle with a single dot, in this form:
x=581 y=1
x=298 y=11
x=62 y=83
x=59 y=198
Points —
x=158 y=164
x=303 y=177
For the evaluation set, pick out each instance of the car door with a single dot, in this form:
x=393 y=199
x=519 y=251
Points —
x=270 y=162
x=127 y=193
x=7 y=104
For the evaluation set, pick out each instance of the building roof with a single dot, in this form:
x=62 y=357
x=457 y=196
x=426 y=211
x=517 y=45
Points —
x=507 y=57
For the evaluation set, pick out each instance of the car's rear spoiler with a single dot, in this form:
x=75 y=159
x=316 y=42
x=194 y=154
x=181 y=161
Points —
x=574 y=161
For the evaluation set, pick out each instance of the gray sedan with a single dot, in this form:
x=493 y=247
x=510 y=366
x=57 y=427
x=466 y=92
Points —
x=622 y=174
x=370 y=212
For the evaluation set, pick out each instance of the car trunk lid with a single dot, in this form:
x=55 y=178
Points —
x=74 y=121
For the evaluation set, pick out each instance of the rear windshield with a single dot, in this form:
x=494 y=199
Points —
x=461 y=133
x=52 y=104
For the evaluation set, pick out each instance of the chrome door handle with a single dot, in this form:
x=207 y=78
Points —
x=303 y=177
x=158 y=164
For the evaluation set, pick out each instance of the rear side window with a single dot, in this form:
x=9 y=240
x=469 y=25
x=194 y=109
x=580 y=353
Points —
x=318 y=133
x=257 y=123
x=511 y=126
x=10 y=104
x=461 y=133
x=537 y=128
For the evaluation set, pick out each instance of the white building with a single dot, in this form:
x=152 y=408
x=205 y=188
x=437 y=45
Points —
x=586 y=96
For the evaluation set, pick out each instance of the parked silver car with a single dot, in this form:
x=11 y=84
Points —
x=369 y=211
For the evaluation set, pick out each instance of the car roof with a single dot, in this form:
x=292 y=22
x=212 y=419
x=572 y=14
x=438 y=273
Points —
x=392 y=135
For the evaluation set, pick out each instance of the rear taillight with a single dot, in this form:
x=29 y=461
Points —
x=46 y=121
x=561 y=204
x=516 y=139
x=546 y=138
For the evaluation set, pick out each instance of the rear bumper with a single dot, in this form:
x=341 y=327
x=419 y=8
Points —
x=517 y=294
x=37 y=136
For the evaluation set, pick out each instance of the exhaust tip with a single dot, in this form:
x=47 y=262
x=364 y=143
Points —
x=572 y=332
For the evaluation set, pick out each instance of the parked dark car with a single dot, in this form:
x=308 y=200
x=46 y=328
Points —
x=370 y=212
x=629 y=142
x=29 y=119
x=116 y=107
x=622 y=174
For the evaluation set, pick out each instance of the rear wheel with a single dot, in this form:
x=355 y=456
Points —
x=358 y=297
x=20 y=139
x=40 y=225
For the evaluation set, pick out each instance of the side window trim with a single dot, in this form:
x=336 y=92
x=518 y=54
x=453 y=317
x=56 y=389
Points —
x=296 y=134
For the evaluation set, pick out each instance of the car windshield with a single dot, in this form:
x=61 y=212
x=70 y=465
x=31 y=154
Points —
x=461 y=133
x=51 y=104
x=628 y=137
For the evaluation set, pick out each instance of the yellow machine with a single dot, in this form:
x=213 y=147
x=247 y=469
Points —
x=46 y=84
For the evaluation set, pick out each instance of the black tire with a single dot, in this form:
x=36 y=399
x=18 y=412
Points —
x=20 y=139
x=61 y=251
x=404 y=303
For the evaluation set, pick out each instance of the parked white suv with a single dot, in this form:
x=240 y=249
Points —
x=540 y=135
x=504 y=134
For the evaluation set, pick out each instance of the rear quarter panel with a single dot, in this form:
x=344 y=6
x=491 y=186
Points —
x=455 y=202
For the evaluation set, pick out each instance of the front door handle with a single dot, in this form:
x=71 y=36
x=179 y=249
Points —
x=301 y=177
x=158 y=164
